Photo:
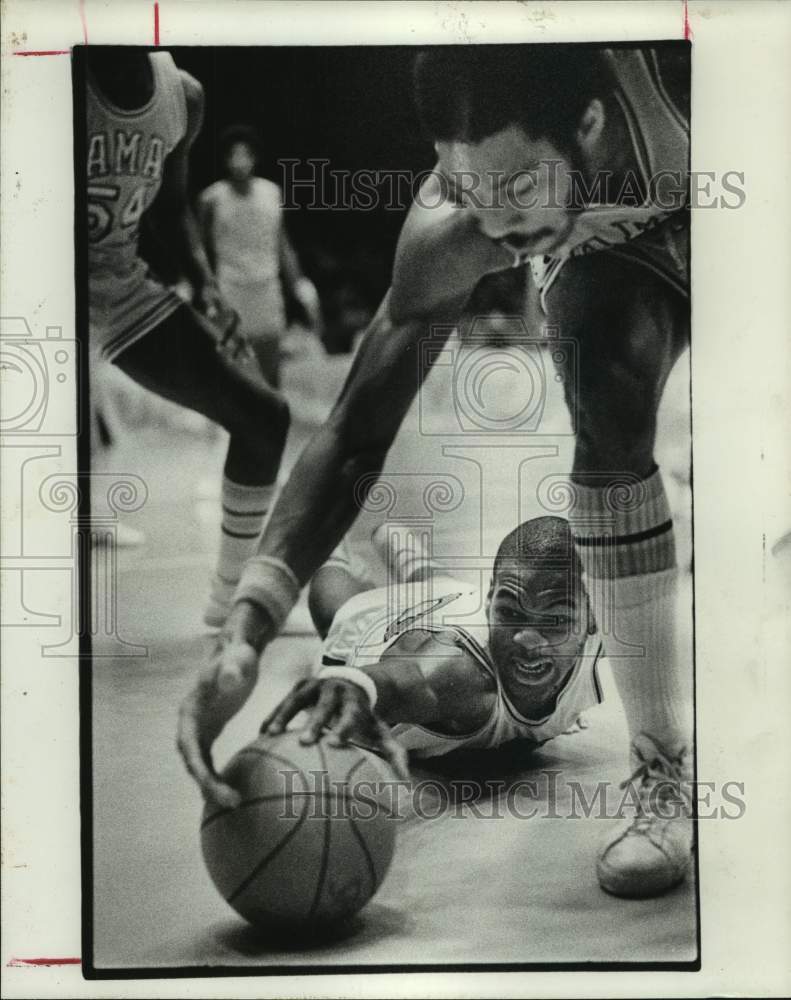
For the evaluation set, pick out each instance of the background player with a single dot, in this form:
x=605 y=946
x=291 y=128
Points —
x=143 y=114
x=242 y=222
x=575 y=139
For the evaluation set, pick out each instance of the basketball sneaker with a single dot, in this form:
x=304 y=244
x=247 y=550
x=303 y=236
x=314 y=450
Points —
x=651 y=853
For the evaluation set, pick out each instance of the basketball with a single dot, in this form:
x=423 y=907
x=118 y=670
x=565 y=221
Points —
x=313 y=837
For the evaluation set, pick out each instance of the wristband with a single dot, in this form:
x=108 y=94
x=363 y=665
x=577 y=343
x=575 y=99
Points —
x=270 y=583
x=358 y=677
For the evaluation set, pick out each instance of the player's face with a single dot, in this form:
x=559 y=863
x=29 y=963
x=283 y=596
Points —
x=240 y=162
x=537 y=628
x=517 y=187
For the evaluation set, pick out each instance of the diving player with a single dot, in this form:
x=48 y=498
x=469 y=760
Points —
x=517 y=664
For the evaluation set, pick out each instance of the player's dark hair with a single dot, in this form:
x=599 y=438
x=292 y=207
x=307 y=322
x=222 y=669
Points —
x=234 y=134
x=469 y=92
x=541 y=541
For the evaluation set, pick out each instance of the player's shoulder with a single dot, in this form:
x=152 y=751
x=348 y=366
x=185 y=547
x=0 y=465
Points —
x=193 y=90
x=268 y=189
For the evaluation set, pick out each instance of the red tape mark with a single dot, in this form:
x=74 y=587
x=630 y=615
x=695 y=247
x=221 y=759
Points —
x=22 y=962
x=84 y=22
x=687 y=29
x=156 y=23
x=49 y=52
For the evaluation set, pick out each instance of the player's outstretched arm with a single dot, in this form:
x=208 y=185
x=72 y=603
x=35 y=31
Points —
x=441 y=255
x=312 y=514
x=435 y=685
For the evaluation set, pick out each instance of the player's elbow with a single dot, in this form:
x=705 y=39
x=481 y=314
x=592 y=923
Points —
x=361 y=436
x=361 y=448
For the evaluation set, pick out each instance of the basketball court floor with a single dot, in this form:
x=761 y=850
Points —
x=466 y=886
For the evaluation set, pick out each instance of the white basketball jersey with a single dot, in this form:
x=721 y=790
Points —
x=367 y=625
x=246 y=231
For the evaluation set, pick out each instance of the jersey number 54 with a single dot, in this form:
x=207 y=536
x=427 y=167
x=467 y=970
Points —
x=102 y=209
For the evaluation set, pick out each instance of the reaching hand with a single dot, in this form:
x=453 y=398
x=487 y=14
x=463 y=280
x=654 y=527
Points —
x=223 y=686
x=343 y=707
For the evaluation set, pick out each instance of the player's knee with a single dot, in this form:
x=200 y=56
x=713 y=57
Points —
x=615 y=404
x=361 y=439
x=615 y=442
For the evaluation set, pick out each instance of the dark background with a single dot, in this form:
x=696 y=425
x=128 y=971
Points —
x=352 y=106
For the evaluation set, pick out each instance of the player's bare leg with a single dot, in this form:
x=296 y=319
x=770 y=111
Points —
x=631 y=328
x=180 y=361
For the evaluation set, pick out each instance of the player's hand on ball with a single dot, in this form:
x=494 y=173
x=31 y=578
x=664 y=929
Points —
x=342 y=707
x=223 y=686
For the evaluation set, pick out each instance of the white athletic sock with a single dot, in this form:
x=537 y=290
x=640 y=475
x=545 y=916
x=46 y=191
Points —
x=244 y=510
x=624 y=537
